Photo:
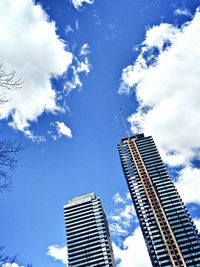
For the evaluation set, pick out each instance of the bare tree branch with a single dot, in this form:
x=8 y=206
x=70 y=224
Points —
x=8 y=161
x=6 y=260
x=8 y=148
x=7 y=80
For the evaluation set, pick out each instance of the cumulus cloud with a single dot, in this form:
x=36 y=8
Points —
x=78 y=3
x=188 y=184
x=197 y=223
x=63 y=129
x=133 y=252
x=165 y=77
x=30 y=46
x=58 y=253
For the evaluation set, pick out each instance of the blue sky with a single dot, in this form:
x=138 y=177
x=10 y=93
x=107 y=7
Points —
x=81 y=61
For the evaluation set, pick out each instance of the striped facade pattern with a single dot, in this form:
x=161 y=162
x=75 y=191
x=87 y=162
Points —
x=88 y=238
x=170 y=235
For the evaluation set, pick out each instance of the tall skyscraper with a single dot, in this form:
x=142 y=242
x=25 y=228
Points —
x=88 y=238
x=171 y=238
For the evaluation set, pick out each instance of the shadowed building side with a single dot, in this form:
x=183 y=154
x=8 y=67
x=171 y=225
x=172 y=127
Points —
x=88 y=238
x=170 y=235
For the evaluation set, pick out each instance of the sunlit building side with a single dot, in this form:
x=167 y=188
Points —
x=88 y=238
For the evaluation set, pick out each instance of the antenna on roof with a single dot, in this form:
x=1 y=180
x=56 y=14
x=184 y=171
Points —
x=124 y=123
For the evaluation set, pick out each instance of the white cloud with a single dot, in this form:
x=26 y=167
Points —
x=165 y=77
x=116 y=228
x=133 y=252
x=77 y=25
x=68 y=29
x=11 y=265
x=63 y=129
x=183 y=12
x=30 y=46
x=81 y=66
x=167 y=107
x=121 y=220
x=197 y=223
x=97 y=20
x=85 y=50
x=58 y=253
x=122 y=216
x=78 y=3
x=188 y=184
x=117 y=198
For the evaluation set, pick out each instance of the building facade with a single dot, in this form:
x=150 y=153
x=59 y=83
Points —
x=88 y=238
x=170 y=235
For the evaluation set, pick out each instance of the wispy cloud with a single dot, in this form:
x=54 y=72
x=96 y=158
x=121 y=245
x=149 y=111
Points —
x=165 y=77
x=183 y=12
x=80 y=66
x=97 y=19
x=85 y=50
x=117 y=198
x=58 y=253
x=79 y=3
x=129 y=245
x=122 y=216
x=68 y=29
x=11 y=265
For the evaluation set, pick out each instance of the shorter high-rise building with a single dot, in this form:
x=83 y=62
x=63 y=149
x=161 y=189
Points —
x=88 y=238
